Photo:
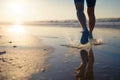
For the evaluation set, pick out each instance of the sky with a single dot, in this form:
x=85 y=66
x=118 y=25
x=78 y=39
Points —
x=37 y=10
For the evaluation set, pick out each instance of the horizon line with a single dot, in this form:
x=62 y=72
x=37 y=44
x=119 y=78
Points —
x=114 y=18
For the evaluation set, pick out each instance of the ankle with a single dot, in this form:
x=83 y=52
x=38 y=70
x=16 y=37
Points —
x=90 y=35
x=85 y=29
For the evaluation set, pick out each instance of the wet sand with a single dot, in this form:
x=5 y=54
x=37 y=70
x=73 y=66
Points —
x=40 y=56
x=21 y=56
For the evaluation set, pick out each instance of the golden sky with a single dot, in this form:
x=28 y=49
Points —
x=27 y=10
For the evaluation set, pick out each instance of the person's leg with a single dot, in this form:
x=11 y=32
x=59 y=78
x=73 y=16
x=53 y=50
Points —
x=80 y=12
x=91 y=15
x=82 y=19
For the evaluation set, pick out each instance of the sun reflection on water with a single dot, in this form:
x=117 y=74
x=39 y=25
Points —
x=17 y=29
x=19 y=35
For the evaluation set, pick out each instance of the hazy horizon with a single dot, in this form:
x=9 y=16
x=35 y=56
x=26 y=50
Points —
x=104 y=18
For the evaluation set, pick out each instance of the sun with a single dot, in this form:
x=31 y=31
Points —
x=16 y=9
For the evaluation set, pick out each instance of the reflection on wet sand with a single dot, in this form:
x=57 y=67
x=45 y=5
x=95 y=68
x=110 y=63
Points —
x=21 y=55
x=85 y=70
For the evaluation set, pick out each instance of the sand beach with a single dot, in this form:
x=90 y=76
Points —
x=35 y=53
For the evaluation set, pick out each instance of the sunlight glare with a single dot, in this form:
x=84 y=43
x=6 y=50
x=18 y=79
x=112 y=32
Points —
x=17 y=29
x=16 y=9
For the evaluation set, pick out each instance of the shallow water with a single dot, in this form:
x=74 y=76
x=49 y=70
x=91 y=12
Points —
x=63 y=61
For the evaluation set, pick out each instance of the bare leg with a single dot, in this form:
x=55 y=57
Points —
x=80 y=14
x=91 y=16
